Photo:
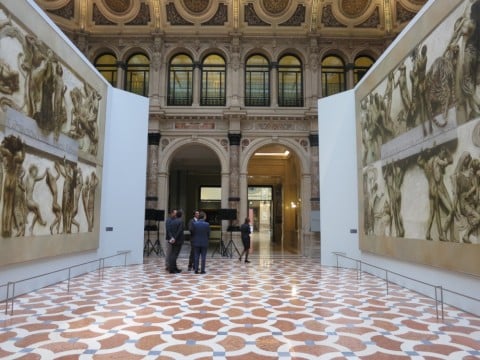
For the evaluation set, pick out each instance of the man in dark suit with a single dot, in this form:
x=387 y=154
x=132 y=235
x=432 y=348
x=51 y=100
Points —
x=200 y=236
x=176 y=227
x=168 y=235
x=191 y=258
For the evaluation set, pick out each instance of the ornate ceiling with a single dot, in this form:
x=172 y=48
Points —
x=351 y=18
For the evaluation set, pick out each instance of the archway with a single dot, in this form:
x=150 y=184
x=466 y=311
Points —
x=274 y=198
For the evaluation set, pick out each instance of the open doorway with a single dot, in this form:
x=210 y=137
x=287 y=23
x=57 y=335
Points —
x=273 y=197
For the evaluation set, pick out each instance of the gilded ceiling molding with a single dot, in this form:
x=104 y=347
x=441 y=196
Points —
x=198 y=11
x=236 y=14
x=314 y=16
x=275 y=7
x=196 y=6
x=251 y=17
x=328 y=19
x=143 y=16
x=297 y=19
x=118 y=6
x=155 y=6
x=278 y=12
x=118 y=11
x=403 y=15
x=372 y=22
x=67 y=11
x=174 y=17
x=354 y=9
x=52 y=4
x=388 y=16
x=220 y=17
x=98 y=18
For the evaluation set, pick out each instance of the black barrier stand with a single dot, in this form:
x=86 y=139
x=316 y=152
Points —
x=152 y=224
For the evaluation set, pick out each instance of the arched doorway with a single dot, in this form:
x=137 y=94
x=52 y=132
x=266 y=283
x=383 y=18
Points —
x=274 y=198
x=194 y=170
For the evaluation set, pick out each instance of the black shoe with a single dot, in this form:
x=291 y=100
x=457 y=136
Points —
x=173 y=272
x=240 y=258
x=178 y=271
x=196 y=272
x=189 y=268
x=247 y=261
x=203 y=272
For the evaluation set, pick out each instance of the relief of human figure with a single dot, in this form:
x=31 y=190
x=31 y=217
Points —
x=56 y=209
x=67 y=171
x=466 y=186
x=13 y=153
x=20 y=205
x=393 y=176
x=59 y=108
x=434 y=167
x=88 y=198
x=32 y=205
x=401 y=83
x=466 y=34
x=418 y=76
x=76 y=197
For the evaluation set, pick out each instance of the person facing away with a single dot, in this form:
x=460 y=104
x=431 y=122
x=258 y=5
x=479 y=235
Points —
x=200 y=237
x=245 y=235
x=168 y=235
x=196 y=215
x=176 y=241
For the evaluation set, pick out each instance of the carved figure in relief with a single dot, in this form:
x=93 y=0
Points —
x=76 y=197
x=20 y=205
x=440 y=85
x=466 y=180
x=393 y=175
x=67 y=170
x=418 y=75
x=12 y=150
x=84 y=115
x=467 y=35
x=401 y=83
x=56 y=209
x=59 y=108
x=434 y=167
x=88 y=198
x=32 y=205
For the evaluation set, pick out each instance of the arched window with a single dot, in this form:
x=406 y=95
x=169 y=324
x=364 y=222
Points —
x=180 y=81
x=106 y=64
x=257 y=81
x=361 y=66
x=137 y=74
x=213 y=81
x=333 y=75
x=290 y=81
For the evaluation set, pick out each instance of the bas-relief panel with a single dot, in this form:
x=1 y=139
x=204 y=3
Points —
x=49 y=146
x=420 y=150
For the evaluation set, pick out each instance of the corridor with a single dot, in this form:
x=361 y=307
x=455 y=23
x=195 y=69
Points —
x=279 y=306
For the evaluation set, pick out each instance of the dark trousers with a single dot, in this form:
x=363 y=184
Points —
x=200 y=251
x=174 y=251
x=191 y=258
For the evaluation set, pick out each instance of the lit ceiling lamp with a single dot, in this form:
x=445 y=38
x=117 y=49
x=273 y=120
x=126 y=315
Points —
x=280 y=154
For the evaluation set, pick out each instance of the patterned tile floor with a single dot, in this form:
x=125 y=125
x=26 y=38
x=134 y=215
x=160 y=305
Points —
x=276 y=307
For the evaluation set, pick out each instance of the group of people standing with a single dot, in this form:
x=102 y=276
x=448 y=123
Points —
x=199 y=230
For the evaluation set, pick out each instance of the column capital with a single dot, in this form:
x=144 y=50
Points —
x=234 y=139
x=154 y=138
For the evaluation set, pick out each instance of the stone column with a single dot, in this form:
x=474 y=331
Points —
x=152 y=171
x=197 y=83
x=349 y=74
x=314 y=237
x=274 y=84
x=155 y=66
x=121 y=67
x=234 y=195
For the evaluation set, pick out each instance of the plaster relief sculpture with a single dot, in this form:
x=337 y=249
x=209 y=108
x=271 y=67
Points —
x=13 y=153
x=32 y=205
x=56 y=209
